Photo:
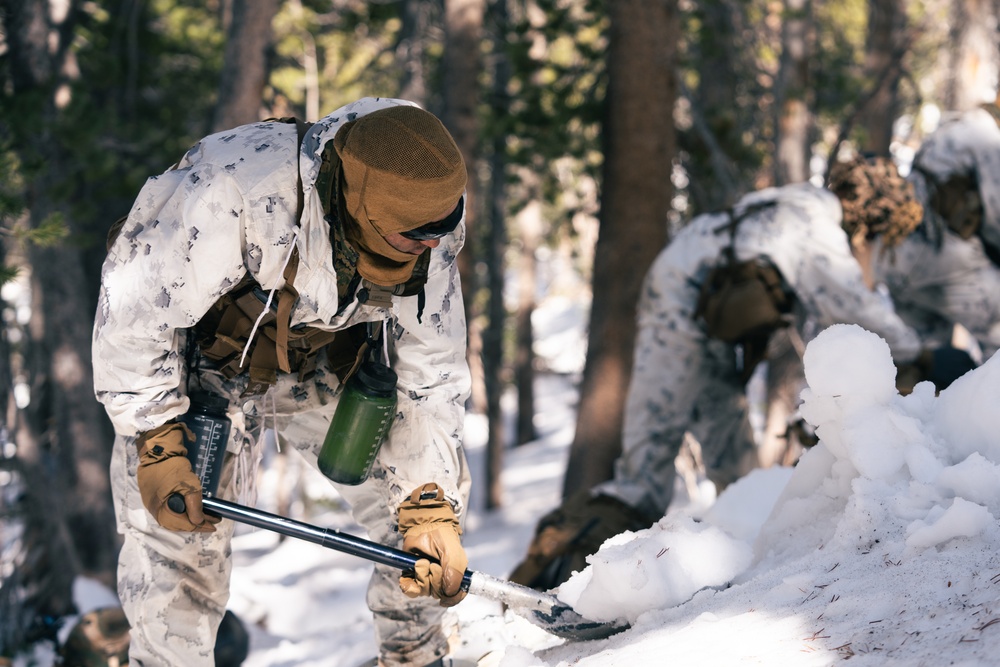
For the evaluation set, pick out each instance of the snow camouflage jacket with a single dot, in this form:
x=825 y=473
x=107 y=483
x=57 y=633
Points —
x=935 y=277
x=802 y=237
x=227 y=208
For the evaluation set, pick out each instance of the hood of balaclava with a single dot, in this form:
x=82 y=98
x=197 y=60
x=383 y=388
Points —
x=876 y=200
x=399 y=169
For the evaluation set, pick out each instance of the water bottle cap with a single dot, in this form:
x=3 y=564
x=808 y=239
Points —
x=377 y=377
x=209 y=402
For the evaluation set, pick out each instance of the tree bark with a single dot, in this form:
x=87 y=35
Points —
x=493 y=336
x=63 y=438
x=639 y=148
x=244 y=69
x=886 y=26
x=462 y=66
x=714 y=144
x=529 y=225
x=410 y=51
x=972 y=53
x=793 y=97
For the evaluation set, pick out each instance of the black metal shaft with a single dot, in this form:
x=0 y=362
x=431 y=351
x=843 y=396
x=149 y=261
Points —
x=325 y=537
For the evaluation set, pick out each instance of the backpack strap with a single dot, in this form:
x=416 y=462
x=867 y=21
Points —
x=288 y=295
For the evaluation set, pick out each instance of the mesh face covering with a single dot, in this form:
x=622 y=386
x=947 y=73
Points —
x=399 y=169
x=876 y=200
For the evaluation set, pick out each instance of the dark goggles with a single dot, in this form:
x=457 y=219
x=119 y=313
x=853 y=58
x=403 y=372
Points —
x=441 y=228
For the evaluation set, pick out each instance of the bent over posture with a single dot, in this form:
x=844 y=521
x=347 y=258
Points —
x=779 y=259
x=262 y=269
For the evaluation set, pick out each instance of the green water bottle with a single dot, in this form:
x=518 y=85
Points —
x=366 y=410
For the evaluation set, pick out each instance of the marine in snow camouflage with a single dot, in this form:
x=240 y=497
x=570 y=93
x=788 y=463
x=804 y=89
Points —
x=229 y=206
x=682 y=380
x=936 y=278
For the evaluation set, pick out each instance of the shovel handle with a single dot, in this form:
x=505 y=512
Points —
x=325 y=537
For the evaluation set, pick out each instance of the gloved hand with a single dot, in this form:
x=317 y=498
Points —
x=947 y=364
x=567 y=535
x=942 y=366
x=430 y=528
x=164 y=469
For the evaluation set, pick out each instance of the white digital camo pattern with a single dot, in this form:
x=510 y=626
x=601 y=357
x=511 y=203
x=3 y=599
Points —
x=192 y=233
x=935 y=287
x=684 y=381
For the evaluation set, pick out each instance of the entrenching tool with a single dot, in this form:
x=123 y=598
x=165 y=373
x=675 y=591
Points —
x=541 y=609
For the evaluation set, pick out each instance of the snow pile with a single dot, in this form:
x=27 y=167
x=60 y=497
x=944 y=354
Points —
x=882 y=547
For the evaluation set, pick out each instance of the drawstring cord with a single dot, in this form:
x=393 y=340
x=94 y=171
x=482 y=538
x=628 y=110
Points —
x=385 y=341
x=270 y=298
x=247 y=462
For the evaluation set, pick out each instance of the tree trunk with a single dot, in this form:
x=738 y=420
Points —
x=63 y=438
x=244 y=68
x=972 y=53
x=410 y=51
x=794 y=122
x=310 y=68
x=714 y=144
x=493 y=337
x=529 y=225
x=639 y=149
x=462 y=65
x=886 y=24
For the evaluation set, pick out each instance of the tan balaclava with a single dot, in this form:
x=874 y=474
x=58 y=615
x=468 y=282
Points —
x=876 y=200
x=399 y=169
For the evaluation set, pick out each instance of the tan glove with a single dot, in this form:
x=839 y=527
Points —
x=430 y=528
x=164 y=470
x=568 y=534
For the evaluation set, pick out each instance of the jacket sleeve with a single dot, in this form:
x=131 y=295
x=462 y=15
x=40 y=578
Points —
x=425 y=442
x=181 y=248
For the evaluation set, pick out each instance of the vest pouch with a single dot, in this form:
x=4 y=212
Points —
x=742 y=300
x=224 y=330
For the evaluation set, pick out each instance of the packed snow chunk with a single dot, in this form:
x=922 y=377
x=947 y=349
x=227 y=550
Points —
x=851 y=365
x=746 y=503
x=656 y=568
x=966 y=415
x=975 y=479
x=876 y=440
x=962 y=519
x=516 y=656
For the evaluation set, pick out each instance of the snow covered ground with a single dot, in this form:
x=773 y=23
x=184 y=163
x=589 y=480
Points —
x=881 y=546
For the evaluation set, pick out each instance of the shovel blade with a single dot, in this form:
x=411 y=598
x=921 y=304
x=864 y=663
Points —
x=543 y=609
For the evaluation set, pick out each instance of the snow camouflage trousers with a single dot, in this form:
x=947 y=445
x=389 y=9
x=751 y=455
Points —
x=174 y=586
x=682 y=382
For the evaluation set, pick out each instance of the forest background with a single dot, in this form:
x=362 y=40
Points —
x=592 y=131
